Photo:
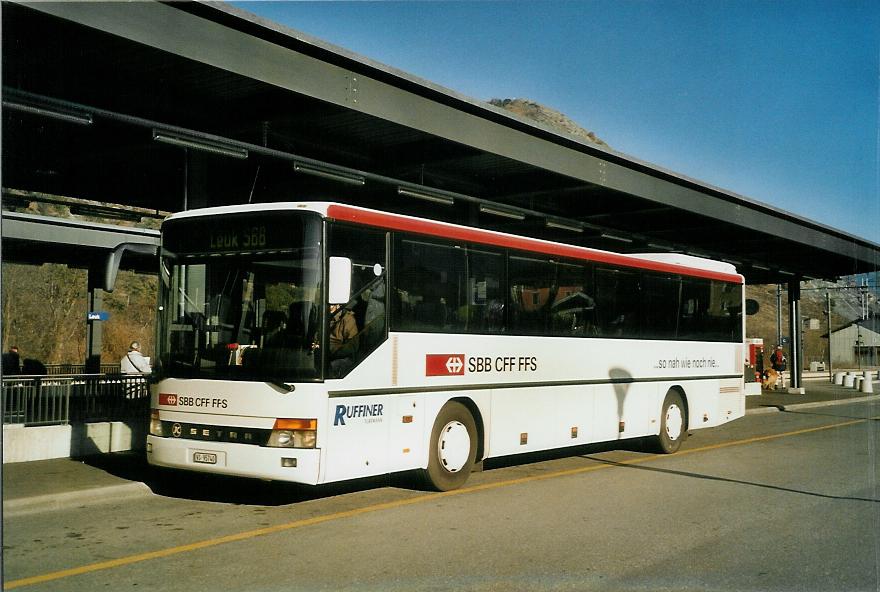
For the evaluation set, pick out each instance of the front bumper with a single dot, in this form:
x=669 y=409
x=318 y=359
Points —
x=242 y=460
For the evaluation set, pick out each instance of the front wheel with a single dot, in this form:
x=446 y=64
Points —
x=453 y=448
x=673 y=424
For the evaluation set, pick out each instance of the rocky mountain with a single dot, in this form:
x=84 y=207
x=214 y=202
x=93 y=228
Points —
x=547 y=116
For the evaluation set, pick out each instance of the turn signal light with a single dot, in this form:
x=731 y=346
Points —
x=294 y=433
x=295 y=424
x=155 y=424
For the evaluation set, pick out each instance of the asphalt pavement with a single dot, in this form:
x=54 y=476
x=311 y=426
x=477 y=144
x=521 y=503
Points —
x=45 y=485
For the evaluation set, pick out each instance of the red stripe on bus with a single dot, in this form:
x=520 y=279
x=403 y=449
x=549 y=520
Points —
x=486 y=237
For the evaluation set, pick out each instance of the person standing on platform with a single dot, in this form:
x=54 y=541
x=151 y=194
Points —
x=134 y=361
x=135 y=364
x=779 y=364
x=11 y=362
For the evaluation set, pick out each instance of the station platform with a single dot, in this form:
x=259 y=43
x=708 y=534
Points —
x=818 y=390
x=39 y=486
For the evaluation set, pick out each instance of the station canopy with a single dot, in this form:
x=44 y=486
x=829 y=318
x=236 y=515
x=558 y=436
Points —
x=166 y=107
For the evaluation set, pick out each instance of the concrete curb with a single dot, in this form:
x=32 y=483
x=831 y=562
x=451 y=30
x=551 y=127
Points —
x=778 y=408
x=71 y=499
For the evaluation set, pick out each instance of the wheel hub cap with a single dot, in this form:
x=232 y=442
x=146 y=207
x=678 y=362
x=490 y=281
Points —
x=674 y=422
x=454 y=446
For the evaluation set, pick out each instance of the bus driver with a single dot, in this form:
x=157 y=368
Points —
x=343 y=340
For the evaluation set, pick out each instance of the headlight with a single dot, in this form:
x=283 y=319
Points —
x=294 y=433
x=155 y=424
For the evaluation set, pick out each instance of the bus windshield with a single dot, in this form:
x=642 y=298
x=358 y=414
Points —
x=245 y=307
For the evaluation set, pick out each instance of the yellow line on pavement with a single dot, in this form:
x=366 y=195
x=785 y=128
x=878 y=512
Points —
x=250 y=534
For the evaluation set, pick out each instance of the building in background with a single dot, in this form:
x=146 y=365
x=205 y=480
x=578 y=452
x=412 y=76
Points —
x=856 y=345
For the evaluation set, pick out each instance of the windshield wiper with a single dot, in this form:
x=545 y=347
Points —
x=282 y=386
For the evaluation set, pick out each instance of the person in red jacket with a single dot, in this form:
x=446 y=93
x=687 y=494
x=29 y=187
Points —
x=779 y=363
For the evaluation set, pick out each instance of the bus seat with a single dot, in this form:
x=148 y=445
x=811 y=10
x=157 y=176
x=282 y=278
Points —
x=430 y=314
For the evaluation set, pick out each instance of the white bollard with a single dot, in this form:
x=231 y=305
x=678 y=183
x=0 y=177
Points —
x=838 y=378
x=867 y=386
x=849 y=379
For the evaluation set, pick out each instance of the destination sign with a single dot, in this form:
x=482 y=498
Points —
x=270 y=231
x=246 y=237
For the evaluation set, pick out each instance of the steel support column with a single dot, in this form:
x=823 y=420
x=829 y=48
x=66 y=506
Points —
x=794 y=324
x=778 y=314
x=94 y=331
x=195 y=183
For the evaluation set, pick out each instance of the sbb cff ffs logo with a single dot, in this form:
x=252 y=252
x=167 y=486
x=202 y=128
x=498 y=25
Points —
x=444 y=364
x=459 y=364
x=167 y=399
x=186 y=401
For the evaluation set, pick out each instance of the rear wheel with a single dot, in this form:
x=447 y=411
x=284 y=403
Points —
x=673 y=424
x=453 y=448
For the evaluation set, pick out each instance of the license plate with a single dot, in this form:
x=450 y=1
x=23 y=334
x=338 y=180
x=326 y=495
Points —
x=208 y=458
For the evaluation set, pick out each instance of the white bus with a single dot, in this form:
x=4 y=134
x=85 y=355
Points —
x=319 y=342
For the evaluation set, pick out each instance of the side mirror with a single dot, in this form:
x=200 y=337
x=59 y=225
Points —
x=339 y=287
x=752 y=307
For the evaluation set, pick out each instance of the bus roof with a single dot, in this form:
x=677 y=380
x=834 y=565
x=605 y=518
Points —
x=660 y=262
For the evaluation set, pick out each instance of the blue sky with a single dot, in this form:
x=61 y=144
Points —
x=777 y=101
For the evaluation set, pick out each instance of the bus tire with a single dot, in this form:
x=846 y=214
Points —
x=453 y=448
x=673 y=424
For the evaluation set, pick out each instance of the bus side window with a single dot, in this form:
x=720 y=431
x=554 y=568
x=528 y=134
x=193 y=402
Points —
x=431 y=287
x=532 y=292
x=573 y=308
x=724 y=314
x=484 y=310
x=660 y=294
x=617 y=292
x=692 y=312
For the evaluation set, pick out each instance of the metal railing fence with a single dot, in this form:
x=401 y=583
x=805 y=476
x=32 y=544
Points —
x=58 y=400
x=36 y=400
x=65 y=369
